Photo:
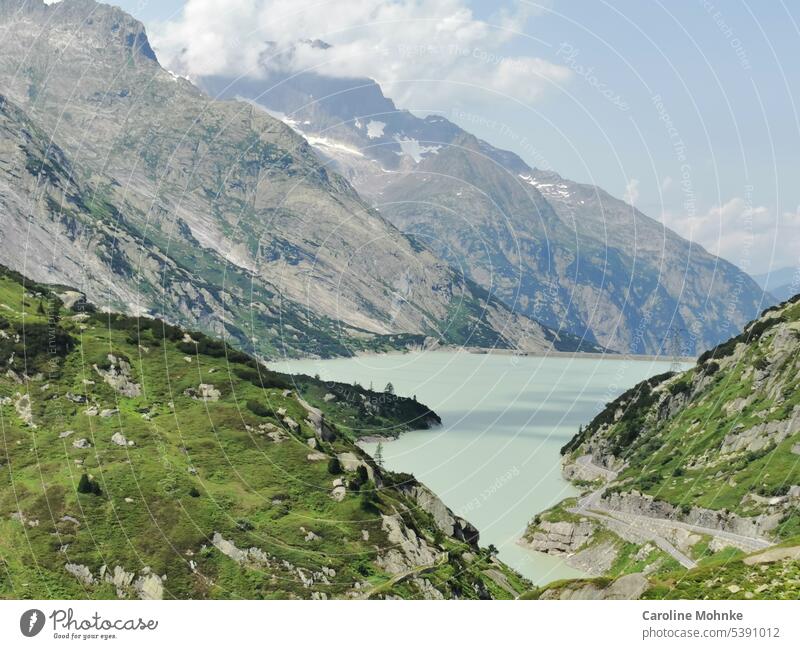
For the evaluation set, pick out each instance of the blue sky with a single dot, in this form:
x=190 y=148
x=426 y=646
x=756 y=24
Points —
x=687 y=108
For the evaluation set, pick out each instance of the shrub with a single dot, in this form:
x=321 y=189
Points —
x=194 y=493
x=771 y=492
x=362 y=477
x=263 y=378
x=334 y=466
x=88 y=486
x=369 y=499
x=258 y=408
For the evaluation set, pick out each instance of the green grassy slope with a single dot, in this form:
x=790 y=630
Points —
x=693 y=440
x=215 y=490
x=718 y=447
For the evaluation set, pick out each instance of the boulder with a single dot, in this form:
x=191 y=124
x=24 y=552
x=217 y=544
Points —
x=120 y=440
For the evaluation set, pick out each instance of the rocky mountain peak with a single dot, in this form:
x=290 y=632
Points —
x=110 y=26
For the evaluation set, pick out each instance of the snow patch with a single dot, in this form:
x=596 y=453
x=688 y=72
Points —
x=375 y=129
x=411 y=147
x=325 y=143
x=551 y=190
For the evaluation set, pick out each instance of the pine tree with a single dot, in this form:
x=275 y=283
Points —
x=379 y=455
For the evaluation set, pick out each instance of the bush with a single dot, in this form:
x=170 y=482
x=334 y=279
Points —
x=369 y=499
x=262 y=378
x=680 y=387
x=258 y=408
x=362 y=477
x=334 y=466
x=772 y=492
x=88 y=486
x=194 y=493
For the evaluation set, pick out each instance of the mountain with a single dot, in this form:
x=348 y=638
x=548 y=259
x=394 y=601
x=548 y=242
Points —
x=144 y=461
x=781 y=283
x=698 y=470
x=129 y=183
x=565 y=253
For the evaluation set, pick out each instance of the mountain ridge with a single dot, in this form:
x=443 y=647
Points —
x=225 y=218
x=565 y=253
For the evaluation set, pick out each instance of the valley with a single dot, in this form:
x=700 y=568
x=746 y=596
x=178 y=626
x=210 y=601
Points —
x=495 y=458
x=266 y=334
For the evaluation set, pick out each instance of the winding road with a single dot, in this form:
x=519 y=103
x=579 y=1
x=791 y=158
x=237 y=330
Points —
x=648 y=528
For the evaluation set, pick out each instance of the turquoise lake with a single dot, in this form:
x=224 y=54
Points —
x=495 y=459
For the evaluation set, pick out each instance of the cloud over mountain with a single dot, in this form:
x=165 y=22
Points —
x=420 y=52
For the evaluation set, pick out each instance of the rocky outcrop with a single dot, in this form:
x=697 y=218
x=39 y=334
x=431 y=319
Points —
x=316 y=420
x=203 y=392
x=253 y=556
x=644 y=505
x=121 y=579
x=406 y=550
x=773 y=555
x=351 y=462
x=80 y=572
x=560 y=537
x=149 y=586
x=23 y=407
x=443 y=516
x=118 y=376
x=762 y=435
x=627 y=587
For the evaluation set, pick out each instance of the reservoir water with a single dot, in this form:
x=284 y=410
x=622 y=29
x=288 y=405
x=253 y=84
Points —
x=495 y=459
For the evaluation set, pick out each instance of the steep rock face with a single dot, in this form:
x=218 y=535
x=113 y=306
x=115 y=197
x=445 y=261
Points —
x=445 y=519
x=562 y=252
x=151 y=197
x=642 y=505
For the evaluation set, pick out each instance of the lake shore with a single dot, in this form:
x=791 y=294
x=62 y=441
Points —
x=495 y=460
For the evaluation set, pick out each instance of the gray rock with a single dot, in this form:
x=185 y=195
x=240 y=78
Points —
x=120 y=440
x=80 y=572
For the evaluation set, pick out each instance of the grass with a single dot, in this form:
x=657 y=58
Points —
x=196 y=467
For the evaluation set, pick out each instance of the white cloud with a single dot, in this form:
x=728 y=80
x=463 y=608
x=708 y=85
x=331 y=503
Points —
x=755 y=238
x=631 y=194
x=403 y=44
